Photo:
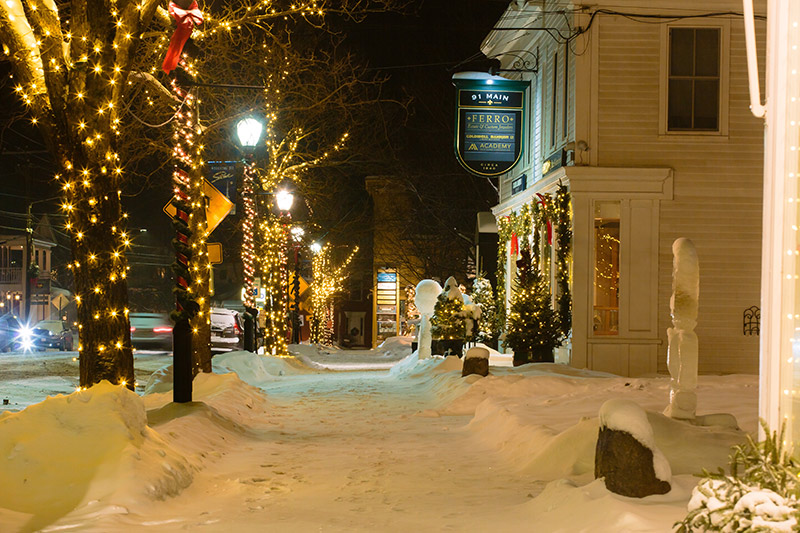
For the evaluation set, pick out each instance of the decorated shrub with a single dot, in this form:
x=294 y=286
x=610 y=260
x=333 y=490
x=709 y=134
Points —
x=533 y=328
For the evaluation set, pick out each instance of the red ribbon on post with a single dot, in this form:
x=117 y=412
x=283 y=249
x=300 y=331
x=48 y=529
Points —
x=187 y=19
x=542 y=201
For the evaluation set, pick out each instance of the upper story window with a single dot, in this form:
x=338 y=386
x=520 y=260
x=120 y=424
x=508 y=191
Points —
x=694 y=79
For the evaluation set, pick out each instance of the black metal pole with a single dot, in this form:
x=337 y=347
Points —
x=26 y=316
x=182 y=361
x=249 y=330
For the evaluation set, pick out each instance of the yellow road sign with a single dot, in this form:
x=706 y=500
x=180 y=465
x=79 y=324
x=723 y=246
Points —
x=214 y=252
x=217 y=207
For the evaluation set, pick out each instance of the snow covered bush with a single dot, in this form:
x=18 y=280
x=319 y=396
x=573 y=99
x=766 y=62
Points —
x=760 y=494
x=489 y=323
x=448 y=317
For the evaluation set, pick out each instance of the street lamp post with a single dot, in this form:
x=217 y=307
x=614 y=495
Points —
x=248 y=132
x=297 y=235
x=284 y=199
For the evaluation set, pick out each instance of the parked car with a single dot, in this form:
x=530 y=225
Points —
x=51 y=334
x=227 y=330
x=151 y=331
x=11 y=332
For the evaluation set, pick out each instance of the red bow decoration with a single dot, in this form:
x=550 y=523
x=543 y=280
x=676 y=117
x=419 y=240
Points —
x=543 y=201
x=514 y=244
x=187 y=19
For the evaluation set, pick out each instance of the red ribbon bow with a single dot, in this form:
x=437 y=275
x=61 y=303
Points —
x=187 y=19
x=542 y=201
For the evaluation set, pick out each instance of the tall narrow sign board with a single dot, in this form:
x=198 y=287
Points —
x=490 y=124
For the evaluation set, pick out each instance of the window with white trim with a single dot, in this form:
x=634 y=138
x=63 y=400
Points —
x=694 y=79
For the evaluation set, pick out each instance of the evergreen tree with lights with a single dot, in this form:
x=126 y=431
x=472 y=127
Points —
x=447 y=322
x=488 y=324
x=533 y=329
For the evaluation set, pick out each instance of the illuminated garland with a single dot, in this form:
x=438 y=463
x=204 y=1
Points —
x=248 y=243
x=274 y=281
x=328 y=281
x=184 y=198
x=520 y=227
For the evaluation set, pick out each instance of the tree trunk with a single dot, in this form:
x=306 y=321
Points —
x=201 y=324
x=100 y=271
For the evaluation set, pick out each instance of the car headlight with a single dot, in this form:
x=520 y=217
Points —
x=24 y=333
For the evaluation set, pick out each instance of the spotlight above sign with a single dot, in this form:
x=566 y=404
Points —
x=490 y=118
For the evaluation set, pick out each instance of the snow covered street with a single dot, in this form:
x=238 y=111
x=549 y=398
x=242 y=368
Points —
x=288 y=445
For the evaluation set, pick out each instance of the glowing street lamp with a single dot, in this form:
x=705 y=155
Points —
x=315 y=247
x=284 y=199
x=297 y=233
x=249 y=131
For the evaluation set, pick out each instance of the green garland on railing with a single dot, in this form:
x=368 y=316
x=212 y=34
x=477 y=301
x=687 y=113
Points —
x=536 y=215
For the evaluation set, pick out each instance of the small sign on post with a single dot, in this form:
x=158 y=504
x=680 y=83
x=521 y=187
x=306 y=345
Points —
x=214 y=252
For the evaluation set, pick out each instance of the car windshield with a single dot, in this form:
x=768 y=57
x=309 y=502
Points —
x=149 y=320
x=53 y=326
x=222 y=320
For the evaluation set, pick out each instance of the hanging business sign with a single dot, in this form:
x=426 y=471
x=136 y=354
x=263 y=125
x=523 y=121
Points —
x=490 y=117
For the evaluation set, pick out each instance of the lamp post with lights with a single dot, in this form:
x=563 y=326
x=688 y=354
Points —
x=248 y=133
x=284 y=199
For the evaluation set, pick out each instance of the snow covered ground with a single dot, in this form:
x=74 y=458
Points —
x=299 y=444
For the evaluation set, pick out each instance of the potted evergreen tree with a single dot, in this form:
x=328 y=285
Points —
x=533 y=329
x=448 y=324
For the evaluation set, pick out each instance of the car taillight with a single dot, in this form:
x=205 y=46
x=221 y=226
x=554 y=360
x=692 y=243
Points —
x=133 y=329
x=162 y=330
x=236 y=328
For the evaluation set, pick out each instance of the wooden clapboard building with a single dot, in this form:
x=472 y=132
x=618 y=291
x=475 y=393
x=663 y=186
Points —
x=642 y=111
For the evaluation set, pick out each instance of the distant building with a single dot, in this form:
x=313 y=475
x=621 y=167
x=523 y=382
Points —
x=15 y=265
x=647 y=122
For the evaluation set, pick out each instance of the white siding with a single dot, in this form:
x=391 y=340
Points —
x=717 y=187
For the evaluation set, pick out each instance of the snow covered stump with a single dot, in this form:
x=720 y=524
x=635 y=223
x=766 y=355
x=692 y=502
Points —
x=682 y=351
x=425 y=299
x=476 y=362
x=626 y=454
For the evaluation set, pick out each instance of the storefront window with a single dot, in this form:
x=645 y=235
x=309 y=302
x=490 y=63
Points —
x=606 y=268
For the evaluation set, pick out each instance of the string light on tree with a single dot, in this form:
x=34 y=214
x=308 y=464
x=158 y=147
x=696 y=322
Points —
x=328 y=281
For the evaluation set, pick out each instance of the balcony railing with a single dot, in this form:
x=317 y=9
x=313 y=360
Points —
x=10 y=275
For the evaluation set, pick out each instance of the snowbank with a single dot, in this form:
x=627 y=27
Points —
x=564 y=507
x=91 y=445
x=98 y=451
x=545 y=419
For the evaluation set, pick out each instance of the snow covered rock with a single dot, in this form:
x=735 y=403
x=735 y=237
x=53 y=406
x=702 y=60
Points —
x=626 y=455
x=476 y=362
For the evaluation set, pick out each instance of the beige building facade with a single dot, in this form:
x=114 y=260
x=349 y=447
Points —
x=643 y=113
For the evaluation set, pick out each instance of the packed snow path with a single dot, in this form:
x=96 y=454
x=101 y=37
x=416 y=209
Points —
x=290 y=445
x=347 y=453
